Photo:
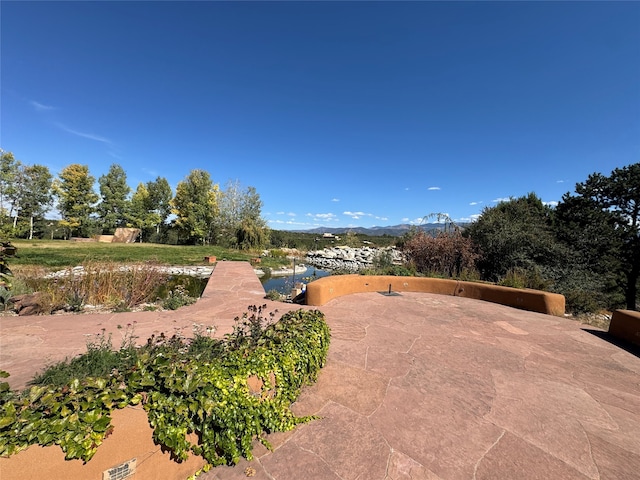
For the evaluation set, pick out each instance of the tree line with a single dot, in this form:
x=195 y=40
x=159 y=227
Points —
x=199 y=212
x=586 y=248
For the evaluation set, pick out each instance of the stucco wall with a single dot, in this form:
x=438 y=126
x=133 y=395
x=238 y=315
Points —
x=324 y=289
x=131 y=438
x=625 y=324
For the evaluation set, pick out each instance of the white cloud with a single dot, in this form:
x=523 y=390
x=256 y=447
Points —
x=90 y=136
x=475 y=203
x=406 y=189
x=356 y=214
x=325 y=217
x=559 y=181
x=552 y=203
x=41 y=107
x=279 y=213
x=291 y=214
x=335 y=199
x=434 y=188
x=470 y=218
x=500 y=199
x=292 y=223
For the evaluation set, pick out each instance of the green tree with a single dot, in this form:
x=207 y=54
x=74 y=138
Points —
x=9 y=173
x=76 y=198
x=141 y=213
x=240 y=223
x=160 y=196
x=113 y=210
x=229 y=217
x=601 y=224
x=252 y=230
x=196 y=206
x=35 y=195
x=516 y=235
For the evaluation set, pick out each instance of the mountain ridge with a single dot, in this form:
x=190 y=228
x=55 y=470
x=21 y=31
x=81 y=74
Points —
x=378 y=231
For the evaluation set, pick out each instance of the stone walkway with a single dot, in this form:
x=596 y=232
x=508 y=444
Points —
x=417 y=386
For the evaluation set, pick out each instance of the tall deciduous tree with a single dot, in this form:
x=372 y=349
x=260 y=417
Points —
x=142 y=214
x=196 y=206
x=240 y=221
x=160 y=196
x=602 y=223
x=113 y=210
x=9 y=171
x=36 y=194
x=76 y=198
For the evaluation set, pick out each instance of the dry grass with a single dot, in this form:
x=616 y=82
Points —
x=106 y=284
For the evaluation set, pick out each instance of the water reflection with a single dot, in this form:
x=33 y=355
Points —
x=284 y=284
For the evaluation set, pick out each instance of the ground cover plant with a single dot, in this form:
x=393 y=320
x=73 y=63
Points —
x=186 y=386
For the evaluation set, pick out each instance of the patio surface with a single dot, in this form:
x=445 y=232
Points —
x=417 y=386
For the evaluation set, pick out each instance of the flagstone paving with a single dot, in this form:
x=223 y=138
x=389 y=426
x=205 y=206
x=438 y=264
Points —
x=416 y=386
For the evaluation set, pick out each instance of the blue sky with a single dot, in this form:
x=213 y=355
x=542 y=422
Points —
x=340 y=114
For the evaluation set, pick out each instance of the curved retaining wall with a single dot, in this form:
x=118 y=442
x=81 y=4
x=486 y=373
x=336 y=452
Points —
x=324 y=289
x=625 y=324
x=131 y=439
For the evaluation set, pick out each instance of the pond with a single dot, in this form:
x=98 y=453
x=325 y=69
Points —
x=284 y=284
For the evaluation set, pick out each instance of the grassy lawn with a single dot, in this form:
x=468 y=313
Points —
x=52 y=254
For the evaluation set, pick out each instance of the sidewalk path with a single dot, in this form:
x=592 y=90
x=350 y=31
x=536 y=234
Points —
x=417 y=386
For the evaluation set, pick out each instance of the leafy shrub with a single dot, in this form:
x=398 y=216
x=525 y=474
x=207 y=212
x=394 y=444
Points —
x=521 y=278
x=100 y=360
x=447 y=254
x=274 y=295
x=178 y=297
x=583 y=301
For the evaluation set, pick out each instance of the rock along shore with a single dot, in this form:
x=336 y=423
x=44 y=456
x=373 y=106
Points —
x=350 y=259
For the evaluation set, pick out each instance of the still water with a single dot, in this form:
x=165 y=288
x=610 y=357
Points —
x=285 y=284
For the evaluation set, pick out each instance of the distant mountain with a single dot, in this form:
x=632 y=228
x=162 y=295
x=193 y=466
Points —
x=392 y=230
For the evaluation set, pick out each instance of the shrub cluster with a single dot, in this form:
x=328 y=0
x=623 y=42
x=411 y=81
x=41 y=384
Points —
x=199 y=386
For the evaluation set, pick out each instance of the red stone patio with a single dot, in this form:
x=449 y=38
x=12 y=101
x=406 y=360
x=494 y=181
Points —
x=417 y=386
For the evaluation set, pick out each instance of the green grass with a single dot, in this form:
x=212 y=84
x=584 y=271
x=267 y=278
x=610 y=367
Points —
x=52 y=254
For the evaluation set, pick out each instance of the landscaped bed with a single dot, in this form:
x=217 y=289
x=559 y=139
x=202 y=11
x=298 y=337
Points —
x=227 y=392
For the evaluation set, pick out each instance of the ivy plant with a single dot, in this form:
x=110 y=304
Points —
x=202 y=393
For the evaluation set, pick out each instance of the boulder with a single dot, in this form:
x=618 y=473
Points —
x=30 y=304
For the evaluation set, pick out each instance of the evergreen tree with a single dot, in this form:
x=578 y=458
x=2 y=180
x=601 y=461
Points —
x=516 y=235
x=601 y=222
